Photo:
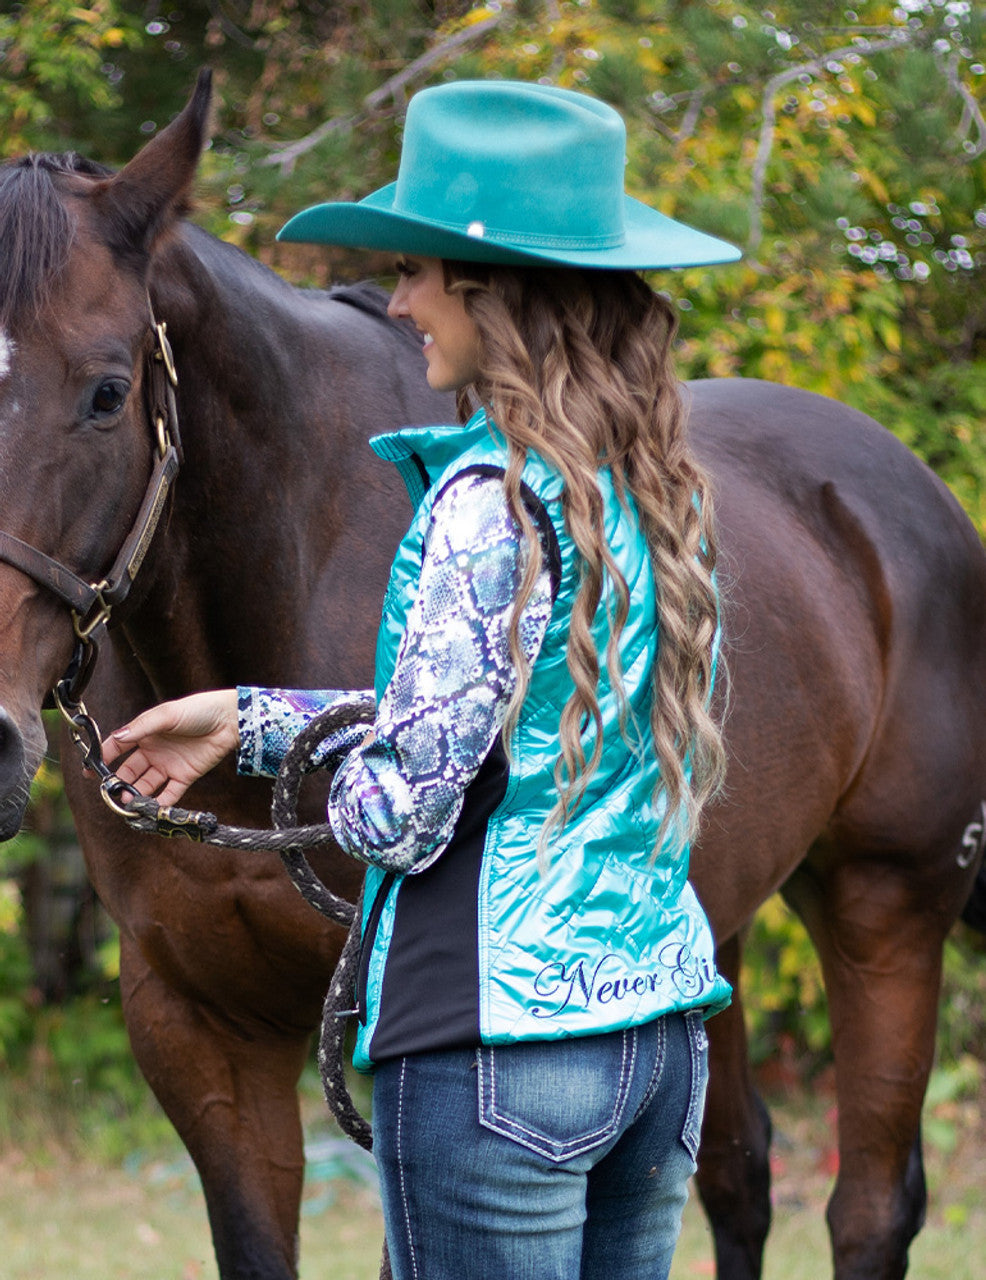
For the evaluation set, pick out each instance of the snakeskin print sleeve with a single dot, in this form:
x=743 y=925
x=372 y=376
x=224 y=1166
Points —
x=270 y=720
x=394 y=802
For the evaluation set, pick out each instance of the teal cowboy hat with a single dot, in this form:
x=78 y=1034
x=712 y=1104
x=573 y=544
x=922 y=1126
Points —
x=506 y=172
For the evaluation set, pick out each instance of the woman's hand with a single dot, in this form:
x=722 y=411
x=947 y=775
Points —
x=175 y=743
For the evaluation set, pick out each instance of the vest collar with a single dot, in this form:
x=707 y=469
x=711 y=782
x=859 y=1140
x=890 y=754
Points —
x=422 y=454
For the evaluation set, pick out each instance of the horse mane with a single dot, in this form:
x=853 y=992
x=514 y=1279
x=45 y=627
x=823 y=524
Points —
x=373 y=300
x=36 y=236
x=36 y=232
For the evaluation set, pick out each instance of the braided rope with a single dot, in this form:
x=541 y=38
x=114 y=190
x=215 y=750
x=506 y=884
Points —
x=298 y=761
x=287 y=839
x=340 y=999
x=341 y=996
x=290 y=842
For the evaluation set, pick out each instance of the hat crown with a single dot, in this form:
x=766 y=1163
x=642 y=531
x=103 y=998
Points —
x=506 y=172
x=515 y=163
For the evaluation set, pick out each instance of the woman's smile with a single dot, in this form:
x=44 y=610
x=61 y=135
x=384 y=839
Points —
x=451 y=339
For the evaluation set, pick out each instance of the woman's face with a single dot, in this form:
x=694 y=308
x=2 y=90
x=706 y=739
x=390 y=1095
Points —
x=452 y=346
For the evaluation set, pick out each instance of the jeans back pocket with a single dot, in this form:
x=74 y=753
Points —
x=559 y=1098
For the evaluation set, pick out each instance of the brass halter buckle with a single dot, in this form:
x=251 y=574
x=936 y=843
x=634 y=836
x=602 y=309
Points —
x=163 y=355
x=95 y=618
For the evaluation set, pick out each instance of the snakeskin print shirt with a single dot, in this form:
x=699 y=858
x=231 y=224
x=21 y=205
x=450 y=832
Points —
x=395 y=798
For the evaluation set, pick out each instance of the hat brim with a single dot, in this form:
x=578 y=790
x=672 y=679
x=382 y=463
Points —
x=652 y=240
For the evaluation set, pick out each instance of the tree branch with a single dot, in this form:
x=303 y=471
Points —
x=769 y=116
x=392 y=89
x=228 y=27
x=689 y=122
x=972 y=113
x=695 y=98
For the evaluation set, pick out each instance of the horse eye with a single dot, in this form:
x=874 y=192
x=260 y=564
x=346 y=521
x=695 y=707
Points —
x=109 y=397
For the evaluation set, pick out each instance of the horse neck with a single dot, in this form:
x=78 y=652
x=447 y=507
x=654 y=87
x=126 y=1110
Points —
x=268 y=390
x=235 y=328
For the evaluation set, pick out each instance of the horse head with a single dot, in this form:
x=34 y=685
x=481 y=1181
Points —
x=77 y=445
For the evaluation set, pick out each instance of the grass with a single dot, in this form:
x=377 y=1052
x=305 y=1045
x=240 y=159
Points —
x=67 y=1211
x=64 y=1212
x=84 y=1221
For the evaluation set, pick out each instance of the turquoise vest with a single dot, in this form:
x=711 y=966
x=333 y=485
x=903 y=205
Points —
x=604 y=935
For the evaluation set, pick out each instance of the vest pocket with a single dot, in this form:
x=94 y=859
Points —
x=559 y=1098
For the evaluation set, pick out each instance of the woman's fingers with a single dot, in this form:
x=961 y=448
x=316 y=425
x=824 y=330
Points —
x=183 y=737
x=162 y=751
x=144 y=778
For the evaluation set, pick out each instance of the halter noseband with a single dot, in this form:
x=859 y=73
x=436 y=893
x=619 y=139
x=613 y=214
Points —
x=92 y=603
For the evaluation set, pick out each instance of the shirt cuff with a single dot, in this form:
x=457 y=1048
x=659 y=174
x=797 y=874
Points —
x=270 y=719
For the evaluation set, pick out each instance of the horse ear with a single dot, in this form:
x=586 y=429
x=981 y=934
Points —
x=151 y=192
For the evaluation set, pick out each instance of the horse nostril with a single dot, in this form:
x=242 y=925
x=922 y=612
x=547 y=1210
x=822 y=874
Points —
x=11 y=755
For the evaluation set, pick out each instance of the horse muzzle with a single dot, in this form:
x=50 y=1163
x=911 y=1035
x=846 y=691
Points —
x=19 y=760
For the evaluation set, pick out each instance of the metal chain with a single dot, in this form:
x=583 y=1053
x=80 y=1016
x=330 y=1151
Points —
x=143 y=813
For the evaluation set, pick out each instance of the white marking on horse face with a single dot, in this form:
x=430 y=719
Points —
x=6 y=353
x=10 y=410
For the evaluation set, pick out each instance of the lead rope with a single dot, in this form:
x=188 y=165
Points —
x=290 y=841
x=340 y=999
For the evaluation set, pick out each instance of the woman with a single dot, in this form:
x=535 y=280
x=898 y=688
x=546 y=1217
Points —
x=535 y=967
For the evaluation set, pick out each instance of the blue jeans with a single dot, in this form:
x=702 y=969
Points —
x=559 y=1160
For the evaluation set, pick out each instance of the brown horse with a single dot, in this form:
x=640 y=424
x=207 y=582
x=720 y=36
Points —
x=855 y=592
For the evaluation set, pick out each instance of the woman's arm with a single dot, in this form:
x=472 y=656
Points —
x=394 y=801
x=396 y=797
x=271 y=719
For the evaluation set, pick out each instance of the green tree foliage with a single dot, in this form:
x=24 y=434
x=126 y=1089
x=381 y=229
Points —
x=53 y=62
x=842 y=147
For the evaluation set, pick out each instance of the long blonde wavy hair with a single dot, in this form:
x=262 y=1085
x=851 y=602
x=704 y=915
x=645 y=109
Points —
x=576 y=365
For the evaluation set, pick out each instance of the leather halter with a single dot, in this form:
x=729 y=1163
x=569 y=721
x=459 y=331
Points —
x=92 y=603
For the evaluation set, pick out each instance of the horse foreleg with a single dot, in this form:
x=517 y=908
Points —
x=231 y=1095
x=881 y=947
x=733 y=1166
